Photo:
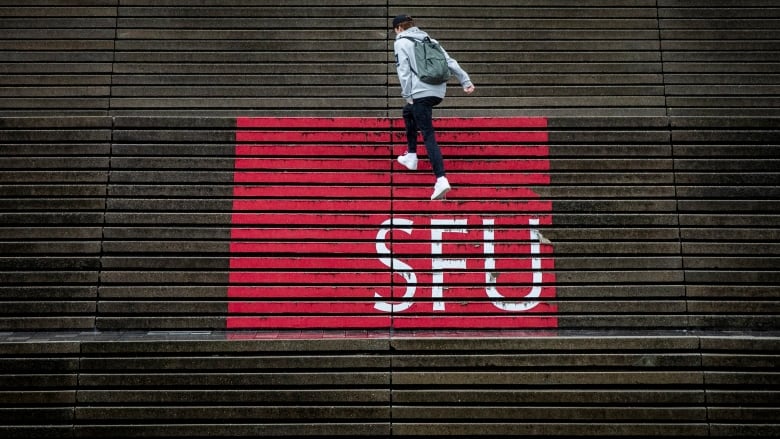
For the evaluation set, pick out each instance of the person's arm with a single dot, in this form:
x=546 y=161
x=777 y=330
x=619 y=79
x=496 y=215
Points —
x=459 y=73
x=404 y=69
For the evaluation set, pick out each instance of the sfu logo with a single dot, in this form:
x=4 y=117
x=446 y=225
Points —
x=329 y=232
x=441 y=264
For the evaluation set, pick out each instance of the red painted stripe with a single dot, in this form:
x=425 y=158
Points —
x=399 y=206
x=467 y=192
x=506 y=151
x=402 y=206
x=368 y=220
x=508 y=166
x=307 y=291
x=520 y=263
x=442 y=137
x=303 y=234
x=453 y=279
x=482 y=137
x=423 y=294
x=474 y=221
x=314 y=136
x=468 y=123
x=304 y=322
x=358 y=150
x=309 y=263
x=304 y=308
x=462 y=322
x=465 y=295
x=453 y=249
x=464 y=250
x=317 y=150
x=274 y=164
x=308 y=277
x=420 y=231
x=276 y=205
x=477 y=123
x=305 y=219
x=313 y=176
x=299 y=191
x=301 y=248
x=465 y=178
x=271 y=164
x=313 y=122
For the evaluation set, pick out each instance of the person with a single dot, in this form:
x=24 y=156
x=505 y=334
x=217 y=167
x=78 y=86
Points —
x=420 y=99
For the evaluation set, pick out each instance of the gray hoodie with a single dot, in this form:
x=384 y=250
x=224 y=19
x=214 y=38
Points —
x=411 y=86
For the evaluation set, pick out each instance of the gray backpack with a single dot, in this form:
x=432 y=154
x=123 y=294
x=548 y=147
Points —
x=432 y=65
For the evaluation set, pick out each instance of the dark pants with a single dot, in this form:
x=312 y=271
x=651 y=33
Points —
x=419 y=117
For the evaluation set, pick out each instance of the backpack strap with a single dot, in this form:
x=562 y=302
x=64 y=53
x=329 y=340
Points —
x=415 y=41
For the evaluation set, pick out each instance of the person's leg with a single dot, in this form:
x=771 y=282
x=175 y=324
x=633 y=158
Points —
x=423 y=118
x=409 y=158
x=411 y=129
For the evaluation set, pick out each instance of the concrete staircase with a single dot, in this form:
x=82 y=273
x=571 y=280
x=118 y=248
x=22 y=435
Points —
x=191 y=195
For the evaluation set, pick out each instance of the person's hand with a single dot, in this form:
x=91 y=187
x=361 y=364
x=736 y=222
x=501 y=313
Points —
x=469 y=90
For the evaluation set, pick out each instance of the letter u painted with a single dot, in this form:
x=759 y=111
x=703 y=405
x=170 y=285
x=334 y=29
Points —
x=490 y=269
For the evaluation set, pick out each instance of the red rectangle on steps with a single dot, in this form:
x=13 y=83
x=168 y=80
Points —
x=329 y=231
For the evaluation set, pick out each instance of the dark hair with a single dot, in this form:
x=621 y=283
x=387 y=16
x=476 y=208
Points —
x=406 y=24
x=404 y=21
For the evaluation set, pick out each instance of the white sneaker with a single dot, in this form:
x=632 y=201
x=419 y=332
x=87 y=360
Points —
x=409 y=160
x=441 y=187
